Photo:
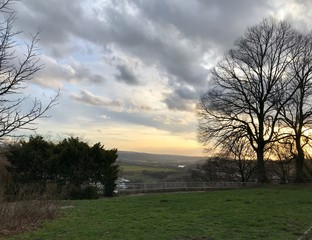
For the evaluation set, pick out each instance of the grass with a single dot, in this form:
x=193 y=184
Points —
x=261 y=213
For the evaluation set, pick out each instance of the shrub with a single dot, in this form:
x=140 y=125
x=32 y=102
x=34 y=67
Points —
x=88 y=192
x=70 y=162
x=28 y=210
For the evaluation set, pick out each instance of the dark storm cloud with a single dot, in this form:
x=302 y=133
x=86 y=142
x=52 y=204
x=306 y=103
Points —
x=126 y=75
x=207 y=21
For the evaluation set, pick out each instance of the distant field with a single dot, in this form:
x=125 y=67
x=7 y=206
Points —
x=262 y=213
x=135 y=168
x=147 y=174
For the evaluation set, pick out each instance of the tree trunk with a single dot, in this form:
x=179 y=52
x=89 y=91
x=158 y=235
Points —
x=261 y=175
x=299 y=162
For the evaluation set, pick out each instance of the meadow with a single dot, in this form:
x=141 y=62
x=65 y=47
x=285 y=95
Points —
x=146 y=173
x=279 y=212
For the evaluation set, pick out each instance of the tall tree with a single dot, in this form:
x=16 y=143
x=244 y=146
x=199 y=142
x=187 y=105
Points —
x=297 y=113
x=15 y=74
x=248 y=89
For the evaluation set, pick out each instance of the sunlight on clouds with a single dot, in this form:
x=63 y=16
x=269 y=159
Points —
x=290 y=11
x=146 y=139
x=129 y=138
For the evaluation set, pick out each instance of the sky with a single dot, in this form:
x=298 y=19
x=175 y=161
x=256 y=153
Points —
x=131 y=72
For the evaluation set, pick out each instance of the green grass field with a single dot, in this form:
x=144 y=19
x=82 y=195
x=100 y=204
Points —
x=146 y=174
x=261 y=213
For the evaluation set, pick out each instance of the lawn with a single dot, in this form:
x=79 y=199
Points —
x=261 y=213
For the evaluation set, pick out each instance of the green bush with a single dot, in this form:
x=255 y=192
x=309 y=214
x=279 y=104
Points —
x=89 y=192
x=68 y=163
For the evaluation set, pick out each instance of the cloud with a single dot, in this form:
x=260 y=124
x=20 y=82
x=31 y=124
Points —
x=126 y=75
x=55 y=73
x=165 y=34
x=89 y=98
x=169 y=120
x=142 y=63
x=174 y=102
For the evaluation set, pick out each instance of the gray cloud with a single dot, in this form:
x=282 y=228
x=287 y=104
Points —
x=181 y=40
x=126 y=75
x=92 y=99
x=187 y=93
x=174 y=102
x=162 y=33
x=54 y=73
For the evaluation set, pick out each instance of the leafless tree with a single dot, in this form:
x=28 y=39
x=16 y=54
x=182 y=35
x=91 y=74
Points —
x=15 y=74
x=282 y=157
x=242 y=156
x=248 y=89
x=297 y=113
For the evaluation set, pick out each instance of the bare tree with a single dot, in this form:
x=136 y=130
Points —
x=297 y=113
x=281 y=166
x=242 y=156
x=15 y=73
x=248 y=89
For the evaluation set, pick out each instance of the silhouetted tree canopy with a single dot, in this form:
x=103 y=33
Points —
x=254 y=88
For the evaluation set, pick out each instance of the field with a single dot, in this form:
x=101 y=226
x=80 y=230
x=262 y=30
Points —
x=146 y=174
x=260 y=213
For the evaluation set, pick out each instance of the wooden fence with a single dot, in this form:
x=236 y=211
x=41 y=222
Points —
x=129 y=188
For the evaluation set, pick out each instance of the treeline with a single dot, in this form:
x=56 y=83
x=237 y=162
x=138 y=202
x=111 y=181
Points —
x=71 y=167
x=221 y=169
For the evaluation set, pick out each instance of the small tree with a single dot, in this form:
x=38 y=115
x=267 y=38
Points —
x=80 y=164
x=103 y=167
x=242 y=155
x=32 y=161
x=74 y=162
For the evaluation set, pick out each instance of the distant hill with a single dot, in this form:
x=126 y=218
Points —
x=156 y=159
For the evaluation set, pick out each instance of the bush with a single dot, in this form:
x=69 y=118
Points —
x=68 y=163
x=88 y=192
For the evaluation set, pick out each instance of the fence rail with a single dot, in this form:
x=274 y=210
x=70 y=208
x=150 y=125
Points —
x=180 y=186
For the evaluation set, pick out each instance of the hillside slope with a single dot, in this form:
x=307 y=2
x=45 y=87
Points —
x=138 y=158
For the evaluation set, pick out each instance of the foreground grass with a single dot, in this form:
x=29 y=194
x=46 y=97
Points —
x=262 y=213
